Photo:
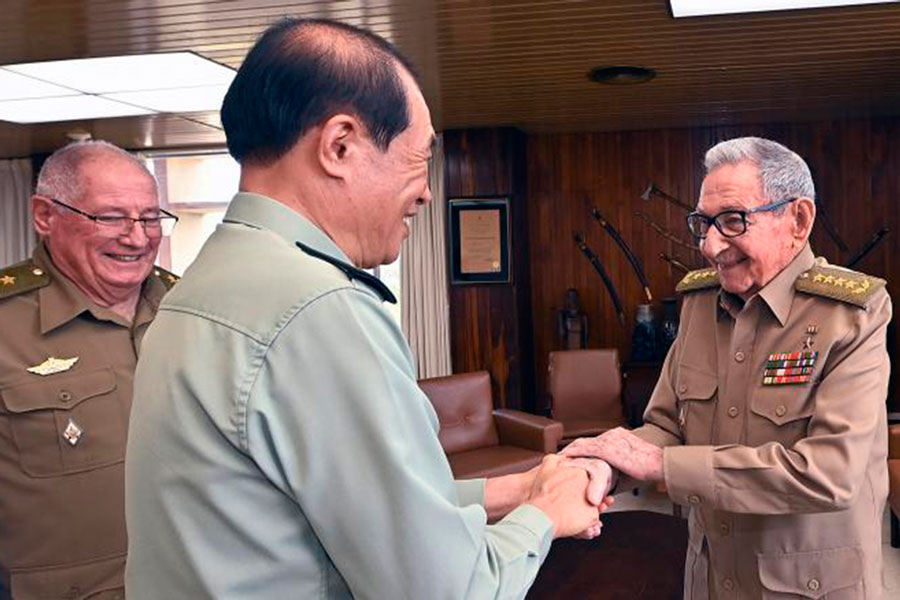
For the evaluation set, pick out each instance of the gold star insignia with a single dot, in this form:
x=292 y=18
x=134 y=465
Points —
x=850 y=285
x=863 y=286
x=171 y=278
x=818 y=277
x=839 y=281
x=7 y=280
x=829 y=279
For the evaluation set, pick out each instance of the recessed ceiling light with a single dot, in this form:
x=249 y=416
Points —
x=129 y=73
x=14 y=86
x=112 y=86
x=697 y=8
x=621 y=75
x=192 y=99
x=65 y=108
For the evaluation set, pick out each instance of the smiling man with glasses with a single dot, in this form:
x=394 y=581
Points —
x=769 y=418
x=71 y=321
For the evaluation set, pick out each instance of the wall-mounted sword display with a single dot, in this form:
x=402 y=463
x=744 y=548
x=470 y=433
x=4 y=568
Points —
x=665 y=232
x=635 y=262
x=868 y=247
x=829 y=227
x=617 y=302
x=674 y=262
x=654 y=191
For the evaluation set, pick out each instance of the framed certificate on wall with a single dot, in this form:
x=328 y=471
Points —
x=479 y=240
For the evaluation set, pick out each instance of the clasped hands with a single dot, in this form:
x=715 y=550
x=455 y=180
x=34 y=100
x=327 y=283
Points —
x=572 y=487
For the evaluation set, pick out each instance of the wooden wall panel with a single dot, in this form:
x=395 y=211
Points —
x=490 y=325
x=855 y=164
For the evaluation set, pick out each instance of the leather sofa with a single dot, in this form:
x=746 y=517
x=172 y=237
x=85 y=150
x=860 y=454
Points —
x=481 y=441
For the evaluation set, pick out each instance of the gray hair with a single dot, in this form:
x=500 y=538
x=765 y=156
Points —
x=782 y=173
x=61 y=176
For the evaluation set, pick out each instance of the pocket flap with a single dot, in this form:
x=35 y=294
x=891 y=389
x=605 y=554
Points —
x=811 y=574
x=58 y=391
x=72 y=581
x=695 y=384
x=782 y=404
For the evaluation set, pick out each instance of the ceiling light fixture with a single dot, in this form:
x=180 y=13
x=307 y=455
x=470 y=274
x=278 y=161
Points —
x=699 y=8
x=621 y=75
x=113 y=86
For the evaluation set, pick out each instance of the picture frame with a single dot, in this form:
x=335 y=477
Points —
x=479 y=240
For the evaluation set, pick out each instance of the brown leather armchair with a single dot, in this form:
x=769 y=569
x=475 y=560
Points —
x=585 y=392
x=480 y=441
x=894 y=482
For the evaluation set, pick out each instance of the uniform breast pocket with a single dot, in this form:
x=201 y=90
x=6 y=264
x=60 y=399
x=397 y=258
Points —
x=67 y=423
x=782 y=414
x=695 y=391
x=834 y=574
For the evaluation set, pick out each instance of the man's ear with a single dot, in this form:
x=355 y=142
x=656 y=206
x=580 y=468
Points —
x=41 y=215
x=804 y=217
x=339 y=145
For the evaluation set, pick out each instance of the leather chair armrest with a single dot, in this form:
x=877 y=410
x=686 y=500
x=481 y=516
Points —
x=894 y=441
x=517 y=428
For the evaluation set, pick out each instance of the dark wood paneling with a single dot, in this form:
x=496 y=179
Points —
x=490 y=324
x=855 y=164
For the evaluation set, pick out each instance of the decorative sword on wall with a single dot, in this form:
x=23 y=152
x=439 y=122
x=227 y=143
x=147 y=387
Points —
x=635 y=262
x=665 y=232
x=674 y=262
x=868 y=247
x=614 y=296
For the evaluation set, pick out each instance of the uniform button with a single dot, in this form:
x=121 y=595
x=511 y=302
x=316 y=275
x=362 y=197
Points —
x=739 y=356
x=694 y=499
x=728 y=584
x=65 y=395
x=724 y=528
x=37 y=272
x=813 y=584
x=733 y=411
x=682 y=388
x=780 y=410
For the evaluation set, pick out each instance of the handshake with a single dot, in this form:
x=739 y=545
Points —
x=572 y=487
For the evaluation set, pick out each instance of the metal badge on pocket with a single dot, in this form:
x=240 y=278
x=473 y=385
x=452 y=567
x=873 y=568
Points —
x=53 y=365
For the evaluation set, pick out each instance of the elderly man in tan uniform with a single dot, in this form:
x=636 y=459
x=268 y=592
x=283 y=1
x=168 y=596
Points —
x=769 y=419
x=71 y=323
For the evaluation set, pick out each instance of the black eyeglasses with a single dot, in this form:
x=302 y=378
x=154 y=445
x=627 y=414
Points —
x=118 y=225
x=730 y=223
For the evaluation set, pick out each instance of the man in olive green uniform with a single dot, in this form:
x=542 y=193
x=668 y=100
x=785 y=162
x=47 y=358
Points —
x=71 y=322
x=769 y=419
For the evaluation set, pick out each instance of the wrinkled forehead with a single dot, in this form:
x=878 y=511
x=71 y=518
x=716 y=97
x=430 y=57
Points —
x=116 y=184
x=731 y=187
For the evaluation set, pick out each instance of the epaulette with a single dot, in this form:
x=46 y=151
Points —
x=22 y=277
x=698 y=280
x=839 y=283
x=168 y=279
x=353 y=273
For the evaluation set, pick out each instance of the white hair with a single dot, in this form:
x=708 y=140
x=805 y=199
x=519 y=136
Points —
x=782 y=173
x=61 y=176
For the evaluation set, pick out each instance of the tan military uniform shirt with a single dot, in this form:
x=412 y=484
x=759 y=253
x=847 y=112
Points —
x=787 y=483
x=62 y=434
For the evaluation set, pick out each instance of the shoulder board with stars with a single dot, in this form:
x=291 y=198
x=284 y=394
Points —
x=20 y=278
x=700 y=279
x=168 y=279
x=838 y=283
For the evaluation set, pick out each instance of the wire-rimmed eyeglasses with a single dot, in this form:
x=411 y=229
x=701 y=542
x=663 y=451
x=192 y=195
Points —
x=118 y=225
x=730 y=223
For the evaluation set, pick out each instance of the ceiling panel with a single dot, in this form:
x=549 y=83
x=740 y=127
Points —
x=503 y=62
